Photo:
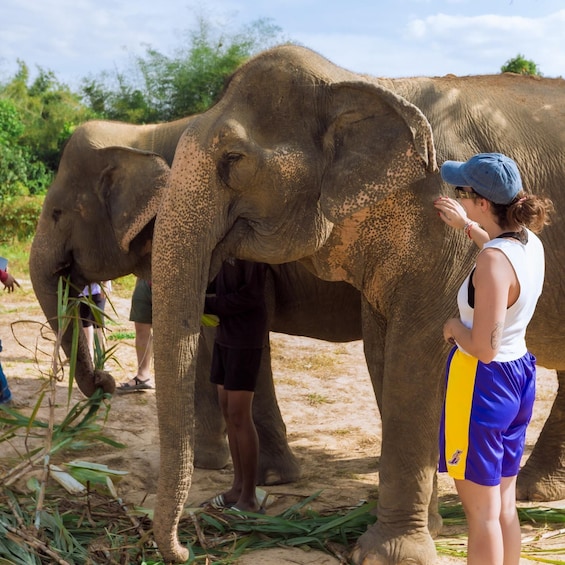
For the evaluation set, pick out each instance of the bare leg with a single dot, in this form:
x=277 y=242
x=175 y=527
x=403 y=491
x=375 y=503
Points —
x=144 y=353
x=482 y=505
x=509 y=521
x=143 y=350
x=244 y=447
x=89 y=334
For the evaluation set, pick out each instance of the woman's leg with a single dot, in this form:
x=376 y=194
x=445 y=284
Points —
x=482 y=505
x=510 y=524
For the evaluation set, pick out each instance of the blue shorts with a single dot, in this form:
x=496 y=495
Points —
x=486 y=412
x=234 y=368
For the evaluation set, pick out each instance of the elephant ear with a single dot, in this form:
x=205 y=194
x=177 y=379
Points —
x=131 y=187
x=376 y=142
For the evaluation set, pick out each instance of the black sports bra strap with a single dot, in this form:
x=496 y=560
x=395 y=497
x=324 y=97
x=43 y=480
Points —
x=471 y=290
x=521 y=236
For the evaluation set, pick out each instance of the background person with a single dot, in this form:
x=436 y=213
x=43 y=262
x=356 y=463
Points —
x=92 y=321
x=10 y=283
x=141 y=314
x=239 y=302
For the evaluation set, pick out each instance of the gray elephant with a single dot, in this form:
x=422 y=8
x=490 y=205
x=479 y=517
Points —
x=303 y=160
x=97 y=224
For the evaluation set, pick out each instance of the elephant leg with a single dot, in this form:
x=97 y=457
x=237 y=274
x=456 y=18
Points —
x=376 y=360
x=211 y=449
x=277 y=463
x=435 y=521
x=543 y=476
x=409 y=448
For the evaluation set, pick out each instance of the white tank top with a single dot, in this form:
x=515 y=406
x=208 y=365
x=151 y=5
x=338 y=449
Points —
x=529 y=265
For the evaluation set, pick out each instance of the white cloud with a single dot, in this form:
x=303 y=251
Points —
x=483 y=40
x=75 y=38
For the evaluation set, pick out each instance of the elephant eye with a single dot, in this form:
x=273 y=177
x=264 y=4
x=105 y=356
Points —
x=225 y=165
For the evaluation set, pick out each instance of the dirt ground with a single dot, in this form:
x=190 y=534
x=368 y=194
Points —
x=326 y=401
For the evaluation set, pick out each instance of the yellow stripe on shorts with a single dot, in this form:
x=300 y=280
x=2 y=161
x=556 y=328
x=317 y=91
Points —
x=458 y=403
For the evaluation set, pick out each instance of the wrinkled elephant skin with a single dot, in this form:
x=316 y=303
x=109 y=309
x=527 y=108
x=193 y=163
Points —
x=97 y=224
x=303 y=160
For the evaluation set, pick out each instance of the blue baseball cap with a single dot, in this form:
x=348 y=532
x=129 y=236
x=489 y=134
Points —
x=491 y=175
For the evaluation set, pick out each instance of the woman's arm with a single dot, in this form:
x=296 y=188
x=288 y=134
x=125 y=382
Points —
x=454 y=215
x=496 y=288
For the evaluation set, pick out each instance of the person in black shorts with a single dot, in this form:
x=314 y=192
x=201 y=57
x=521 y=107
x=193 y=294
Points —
x=239 y=302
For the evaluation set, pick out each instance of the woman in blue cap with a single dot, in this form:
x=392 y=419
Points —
x=490 y=373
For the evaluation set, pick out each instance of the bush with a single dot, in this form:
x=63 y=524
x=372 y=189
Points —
x=21 y=173
x=19 y=217
x=521 y=66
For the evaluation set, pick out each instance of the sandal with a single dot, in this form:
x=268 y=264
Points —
x=217 y=502
x=126 y=388
x=261 y=510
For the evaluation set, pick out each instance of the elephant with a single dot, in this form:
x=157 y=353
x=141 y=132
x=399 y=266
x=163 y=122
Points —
x=301 y=160
x=97 y=224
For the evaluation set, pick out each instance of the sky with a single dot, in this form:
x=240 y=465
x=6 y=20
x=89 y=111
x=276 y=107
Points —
x=385 y=38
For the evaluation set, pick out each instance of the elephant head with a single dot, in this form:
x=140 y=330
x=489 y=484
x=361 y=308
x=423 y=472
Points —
x=299 y=160
x=98 y=216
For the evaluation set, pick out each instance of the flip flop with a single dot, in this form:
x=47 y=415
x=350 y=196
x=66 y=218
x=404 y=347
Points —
x=217 y=502
x=126 y=388
x=236 y=509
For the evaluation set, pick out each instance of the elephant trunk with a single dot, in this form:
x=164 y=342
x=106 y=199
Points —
x=188 y=228
x=176 y=337
x=45 y=266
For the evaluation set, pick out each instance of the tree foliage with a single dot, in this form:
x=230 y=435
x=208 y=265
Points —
x=36 y=118
x=21 y=173
x=159 y=87
x=521 y=66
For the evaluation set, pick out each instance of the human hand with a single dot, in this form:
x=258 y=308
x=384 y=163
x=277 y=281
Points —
x=451 y=212
x=448 y=330
x=10 y=283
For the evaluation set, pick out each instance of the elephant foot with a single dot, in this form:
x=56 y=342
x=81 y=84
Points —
x=374 y=548
x=541 y=484
x=279 y=470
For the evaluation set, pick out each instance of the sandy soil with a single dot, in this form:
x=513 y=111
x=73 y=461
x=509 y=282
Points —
x=325 y=397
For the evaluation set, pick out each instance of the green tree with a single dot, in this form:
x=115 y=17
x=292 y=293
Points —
x=36 y=118
x=13 y=157
x=21 y=173
x=164 y=88
x=48 y=109
x=521 y=66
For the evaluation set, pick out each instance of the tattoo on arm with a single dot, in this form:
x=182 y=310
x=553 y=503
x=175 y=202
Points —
x=496 y=335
